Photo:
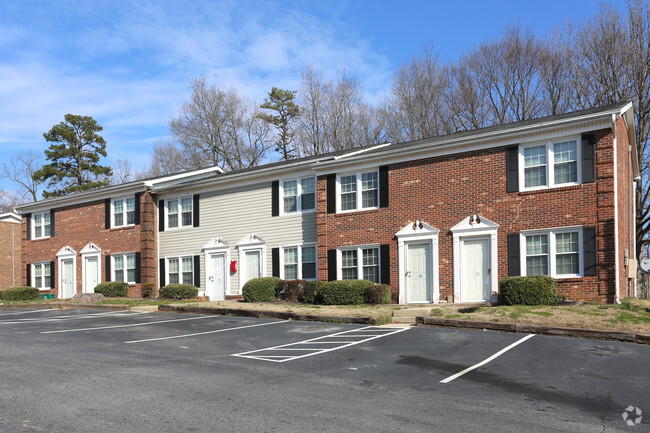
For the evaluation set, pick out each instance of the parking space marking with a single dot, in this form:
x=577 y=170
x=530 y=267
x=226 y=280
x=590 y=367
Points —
x=206 y=332
x=496 y=355
x=71 y=317
x=129 y=325
x=2 y=313
x=370 y=333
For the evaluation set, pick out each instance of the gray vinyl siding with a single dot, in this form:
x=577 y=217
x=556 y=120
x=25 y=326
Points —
x=232 y=213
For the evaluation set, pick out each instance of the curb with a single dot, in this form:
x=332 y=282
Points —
x=592 y=334
x=51 y=306
x=267 y=314
x=65 y=306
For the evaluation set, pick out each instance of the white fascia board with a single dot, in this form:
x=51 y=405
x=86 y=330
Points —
x=627 y=113
x=10 y=217
x=174 y=179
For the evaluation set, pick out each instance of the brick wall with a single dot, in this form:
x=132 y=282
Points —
x=625 y=211
x=9 y=254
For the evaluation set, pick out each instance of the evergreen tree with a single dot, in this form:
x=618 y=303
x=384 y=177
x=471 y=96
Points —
x=282 y=102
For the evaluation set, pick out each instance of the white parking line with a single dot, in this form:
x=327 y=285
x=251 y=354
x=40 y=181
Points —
x=71 y=317
x=127 y=326
x=374 y=333
x=496 y=355
x=44 y=310
x=207 y=332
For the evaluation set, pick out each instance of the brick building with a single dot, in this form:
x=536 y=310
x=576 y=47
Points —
x=9 y=250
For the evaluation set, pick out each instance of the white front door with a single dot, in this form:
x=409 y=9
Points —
x=252 y=265
x=216 y=279
x=92 y=274
x=476 y=281
x=418 y=274
x=67 y=278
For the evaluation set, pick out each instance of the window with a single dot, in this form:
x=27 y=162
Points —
x=358 y=191
x=42 y=275
x=556 y=253
x=179 y=212
x=299 y=262
x=124 y=268
x=550 y=165
x=360 y=263
x=180 y=270
x=123 y=212
x=42 y=226
x=299 y=195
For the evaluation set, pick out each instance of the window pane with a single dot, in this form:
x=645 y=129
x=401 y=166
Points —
x=173 y=265
x=371 y=273
x=119 y=219
x=369 y=198
x=187 y=264
x=290 y=255
x=186 y=208
x=349 y=273
x=119 y=275
x=566 y=243
x=118 y=206
x=535 y=176
x=38 y=270
x=172 y=213
x=565 y=152
x=47 y=281
x=173 y=278
x=534 y=156
x=534 y=166
x=349 y=258
x=187 y=278
x=536 y=244
x=537 y=265
x=118 y=262
x=130 y=261
x=38 y=218
x=46 y=269
x=290 y=188
x=566 y=172
x=38 y=232
x=567 y=264
x=369 y=181
x=130 y=275
x=46 y=219
x=349 y=201
x=130 y=211
x=290 y=272
x=290 y=204
x=308 y=197
x=370 y=256
x=308 y=254
x=173 y=221
x=348 y=183
x=187 y=219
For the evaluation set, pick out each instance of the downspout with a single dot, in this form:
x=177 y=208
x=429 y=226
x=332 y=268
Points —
x=13 y=256
x=616 y=261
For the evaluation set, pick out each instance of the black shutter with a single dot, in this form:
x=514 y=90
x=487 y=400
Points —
x=28 y=223
x=331 y=193
x=52 y=279
x=197 y=271
x=275 y=260
x=107 y=265
x=383 y=186
x=275 y=198
x=52 y=223
x=107 y=213
x=588 y=158
x=161 y=215
x=589 y=248
x=514 y=262
x=161 y=267
x=384 y=256
x=195 y=209
x=331 y=265
x=138 y=267
x=512 y=168
x=137 y=208
x=28 y=274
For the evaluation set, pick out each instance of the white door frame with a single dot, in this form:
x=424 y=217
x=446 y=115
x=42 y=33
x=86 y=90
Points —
x=417 y=232
x=475 y=227
x=216 y=246
x=67 y=253
x=90 y=250
x=250 y=242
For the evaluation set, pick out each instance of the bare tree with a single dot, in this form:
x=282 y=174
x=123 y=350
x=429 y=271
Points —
x=122 y=172
x=20 y=169
x=167 y=158
x=8 y=201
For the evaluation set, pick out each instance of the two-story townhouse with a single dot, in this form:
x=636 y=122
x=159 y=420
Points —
x=9 y=250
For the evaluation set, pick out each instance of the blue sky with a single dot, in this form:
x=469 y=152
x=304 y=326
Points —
x=128 y=64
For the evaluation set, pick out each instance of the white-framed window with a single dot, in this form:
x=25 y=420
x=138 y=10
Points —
x=298 y=262
x=550 y=164
x=42 y=275
x=358 y=191
x=180 y=270
x=298 y=195
x=41 y=225
x=554 y=252
x=179 y=212
x=123 y=268
x=359 y=263
x=123 y=213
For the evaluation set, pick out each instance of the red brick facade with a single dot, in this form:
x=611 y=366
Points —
x=9 y=254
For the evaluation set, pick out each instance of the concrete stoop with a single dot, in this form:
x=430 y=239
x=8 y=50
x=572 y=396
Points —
x=408 y=315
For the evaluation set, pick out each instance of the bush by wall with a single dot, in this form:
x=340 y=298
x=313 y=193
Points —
x=113 y=289
x=530 y=290
x=343 y=292
x=20 y=293
x=178 y=291
x=260 y=289
x=379 y=294
x=311 y=291
x=148 y=290
x=290 y=290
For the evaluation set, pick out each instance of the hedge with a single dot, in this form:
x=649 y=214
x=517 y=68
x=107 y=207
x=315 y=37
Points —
x=260 y=289
x=290 y=290
x=178 y=291
x=343 y=292
x=113 y=289
x=20 y=293
x=529 y=290
x=379 y=294
x=311 y=291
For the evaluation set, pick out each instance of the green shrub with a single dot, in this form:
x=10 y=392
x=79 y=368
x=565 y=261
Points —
x=148 y=290
x=530 y=290
x=178 y=291
x=20 y=293
x=290 y=290
x=379 y=294
x=311 y=291
x=113 y=289
x=343 y=292
x=260 y=289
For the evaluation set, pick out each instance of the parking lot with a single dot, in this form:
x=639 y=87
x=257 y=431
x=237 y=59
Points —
x=108 y=371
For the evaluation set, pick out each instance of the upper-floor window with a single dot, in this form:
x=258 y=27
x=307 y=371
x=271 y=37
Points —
x=42 y=275
x=557 y=253
x=359 y=263
x=124 y=212
x=551 y=164
x=42 y=226
x=124 y=268
x=179 y=212
x=358 y=191
x=180 y=270
x=299 y=262
x=298 y=195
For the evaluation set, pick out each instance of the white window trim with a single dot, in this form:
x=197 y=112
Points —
x=33 y=274
x=551 y=250
x=550 y=164
x=33 y=228
x=113 y=225
x=358 y=191
x=125 y=268
x=358 y=249
x=299 y=247
x=299 y=209
x=90 y=250
x=180 y=217
x=180 y=268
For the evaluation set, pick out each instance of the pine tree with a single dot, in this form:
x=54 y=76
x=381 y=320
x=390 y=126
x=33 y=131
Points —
x=282 y=102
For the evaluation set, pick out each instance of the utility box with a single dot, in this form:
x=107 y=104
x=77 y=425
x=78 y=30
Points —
x=47 y=295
